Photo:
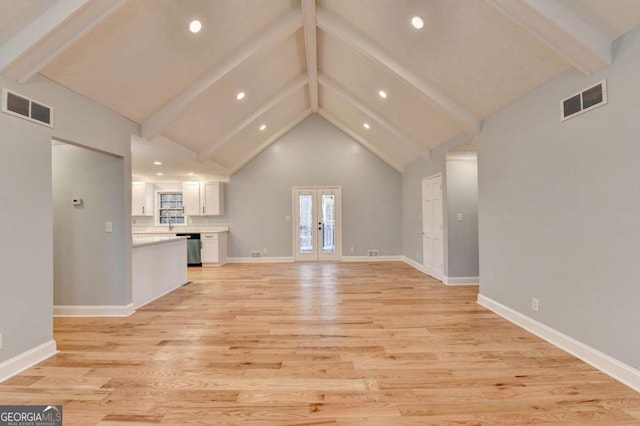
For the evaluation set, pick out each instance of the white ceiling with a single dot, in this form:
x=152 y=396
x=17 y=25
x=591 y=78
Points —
x=297 y=57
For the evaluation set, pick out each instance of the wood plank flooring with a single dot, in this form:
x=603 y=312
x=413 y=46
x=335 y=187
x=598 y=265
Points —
x=316 y=344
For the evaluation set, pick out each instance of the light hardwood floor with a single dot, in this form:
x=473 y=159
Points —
x=316 y=344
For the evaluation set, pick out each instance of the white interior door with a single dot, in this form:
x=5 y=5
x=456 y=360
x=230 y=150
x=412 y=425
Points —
x=317 y=224
x=432 y=226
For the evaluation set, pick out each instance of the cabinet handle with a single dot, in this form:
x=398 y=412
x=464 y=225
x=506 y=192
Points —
x=142 y=209
x=202 y=209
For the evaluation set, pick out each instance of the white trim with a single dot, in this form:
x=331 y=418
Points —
x=93 y=310
x=372 y=258
x=415 y=264
x=603 y=362
x=260 y=259
x=461 y=280
x=311 y=49
x=159 y=296
x=27 y=359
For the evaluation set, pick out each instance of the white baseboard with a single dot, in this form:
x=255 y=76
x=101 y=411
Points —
x=144 y=303
x=608 y=365
x=19 y=363
x=372 y=258
x=259 y=259
x=93 y=310
x=419 y=267
x=461 y=280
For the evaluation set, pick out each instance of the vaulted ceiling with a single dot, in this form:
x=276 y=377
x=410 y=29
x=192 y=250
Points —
x=292 y=58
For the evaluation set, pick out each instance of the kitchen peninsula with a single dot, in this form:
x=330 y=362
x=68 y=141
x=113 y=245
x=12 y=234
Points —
x=159 y=266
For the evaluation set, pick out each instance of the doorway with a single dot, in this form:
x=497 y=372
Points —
x=317 y=216
x=432 y=226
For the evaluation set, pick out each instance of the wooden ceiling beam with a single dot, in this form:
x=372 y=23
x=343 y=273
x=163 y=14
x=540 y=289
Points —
x=311 y=49
x=586 y=48
x=284 y=93
x=272 y=139
x=281 y=29
x=358 y=138
x=391 y=128
x=52 y=47
x=38 y=30
x=458 y=114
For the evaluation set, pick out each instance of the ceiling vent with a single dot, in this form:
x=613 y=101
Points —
x=588 y=99
x=22 y=107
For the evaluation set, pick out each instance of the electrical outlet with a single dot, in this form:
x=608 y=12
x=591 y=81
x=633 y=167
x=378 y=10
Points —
x=264 y=251
x=353 y=250
x=459 y=217
x=108 y=227
x=417 y=256
x=535 y=304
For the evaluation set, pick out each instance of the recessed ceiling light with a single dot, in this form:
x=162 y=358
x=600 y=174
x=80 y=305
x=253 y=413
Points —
x=159 y=174
x=264 y=126
x=240 y=96
x=382 y=94
x=366 y=126
x=195 y=26
x=158 y=163
x=190 y=173
x=417 y=22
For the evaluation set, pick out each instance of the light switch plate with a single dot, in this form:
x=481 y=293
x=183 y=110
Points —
x=459 y=217
x=108 y=227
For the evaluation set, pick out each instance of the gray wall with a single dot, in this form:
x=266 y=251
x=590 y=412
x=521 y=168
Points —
x=88 y=262
x=462 y=197
x=315 y=153
x=560 y=208
x=26 y=240
x=26 y=221
x=412 y=200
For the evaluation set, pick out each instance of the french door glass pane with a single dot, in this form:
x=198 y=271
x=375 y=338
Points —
x=328 y=223
x=306 y=223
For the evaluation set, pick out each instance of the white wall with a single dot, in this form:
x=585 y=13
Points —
x=26 y=218
x=559 y=208
x=88 y=262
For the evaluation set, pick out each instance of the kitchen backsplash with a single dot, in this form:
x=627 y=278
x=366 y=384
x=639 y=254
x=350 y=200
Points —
x=148 y=221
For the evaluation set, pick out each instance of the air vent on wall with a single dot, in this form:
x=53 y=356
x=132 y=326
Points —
x=373 y=253
x=588 y=99
x=23 y=107
x=255 y=253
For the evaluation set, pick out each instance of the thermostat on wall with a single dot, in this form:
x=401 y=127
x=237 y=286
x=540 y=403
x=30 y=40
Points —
x=77 y=202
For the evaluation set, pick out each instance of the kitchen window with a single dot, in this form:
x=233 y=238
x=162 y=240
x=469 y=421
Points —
x=170 y=208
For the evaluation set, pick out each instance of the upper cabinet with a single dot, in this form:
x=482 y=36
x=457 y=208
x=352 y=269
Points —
x=142 y=199
x=203 y=198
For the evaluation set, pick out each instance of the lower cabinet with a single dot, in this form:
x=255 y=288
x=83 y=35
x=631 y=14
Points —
x=214 y=248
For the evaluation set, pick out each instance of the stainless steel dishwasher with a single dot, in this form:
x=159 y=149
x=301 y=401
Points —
x=194 y=246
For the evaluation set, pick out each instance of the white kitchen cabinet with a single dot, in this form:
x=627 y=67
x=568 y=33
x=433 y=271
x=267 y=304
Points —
x=203 y=198
x=142 y=199
x=212 y=198
x=191 y=198
x=214 y=248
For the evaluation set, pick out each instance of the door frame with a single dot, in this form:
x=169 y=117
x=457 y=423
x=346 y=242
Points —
x=294 y=219
x=435 y=273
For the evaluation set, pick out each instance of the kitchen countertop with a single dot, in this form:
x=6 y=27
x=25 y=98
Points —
x=179 y=229
x=149 y=241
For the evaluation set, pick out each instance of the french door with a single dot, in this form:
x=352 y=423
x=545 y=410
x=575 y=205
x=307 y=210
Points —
x=317 y=223
x=432 y=226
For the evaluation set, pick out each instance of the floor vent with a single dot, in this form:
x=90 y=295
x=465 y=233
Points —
x=373 y=253
x=255 y=254
x=22 y=107
x=588 y=99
